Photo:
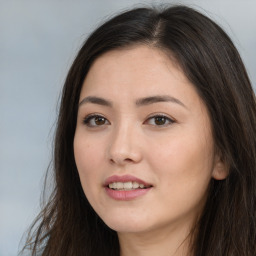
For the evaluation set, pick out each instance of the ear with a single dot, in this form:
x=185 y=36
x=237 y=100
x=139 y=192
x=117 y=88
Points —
x=220 y=168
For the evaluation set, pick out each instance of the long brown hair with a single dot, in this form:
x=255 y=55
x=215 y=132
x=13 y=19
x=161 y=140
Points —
x=69 y=226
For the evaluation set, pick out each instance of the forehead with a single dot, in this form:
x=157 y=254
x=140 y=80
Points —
x=135 y=68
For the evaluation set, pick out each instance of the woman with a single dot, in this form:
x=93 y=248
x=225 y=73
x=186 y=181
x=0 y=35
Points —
x=155 y=143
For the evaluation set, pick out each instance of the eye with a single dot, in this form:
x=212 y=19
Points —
x=159 y=120
x=95 y=120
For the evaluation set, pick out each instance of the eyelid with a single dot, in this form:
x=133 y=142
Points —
x=89 y=117
x=167 y=117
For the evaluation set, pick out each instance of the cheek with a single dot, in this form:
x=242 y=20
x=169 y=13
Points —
x=88 y=157
x=183 y=163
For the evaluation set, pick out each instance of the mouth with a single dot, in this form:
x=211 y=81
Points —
x=126 y=186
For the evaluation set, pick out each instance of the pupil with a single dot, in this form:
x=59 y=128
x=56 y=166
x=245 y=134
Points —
x=99 y=120
x=160 y=120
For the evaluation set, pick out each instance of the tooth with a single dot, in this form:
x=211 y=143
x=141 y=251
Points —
x=125 y=185
x=128 y=185
x=119 y=185
x=135 y=185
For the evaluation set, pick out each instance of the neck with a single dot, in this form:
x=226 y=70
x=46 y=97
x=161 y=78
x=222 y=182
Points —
x=168 y=243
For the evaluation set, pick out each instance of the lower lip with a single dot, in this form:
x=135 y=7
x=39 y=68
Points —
x=125 y=195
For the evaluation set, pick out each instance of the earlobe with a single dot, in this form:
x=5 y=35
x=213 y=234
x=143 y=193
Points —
x=220 y=170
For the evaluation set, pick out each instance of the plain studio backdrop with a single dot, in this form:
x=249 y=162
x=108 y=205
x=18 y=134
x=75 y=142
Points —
x=38 y=41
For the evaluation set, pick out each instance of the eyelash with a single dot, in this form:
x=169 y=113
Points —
x=93 y=117
x=166 y=119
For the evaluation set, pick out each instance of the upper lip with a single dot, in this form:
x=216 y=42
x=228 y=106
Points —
x=125 y=178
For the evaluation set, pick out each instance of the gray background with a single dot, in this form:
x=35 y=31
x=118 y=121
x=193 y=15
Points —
x=38 y=41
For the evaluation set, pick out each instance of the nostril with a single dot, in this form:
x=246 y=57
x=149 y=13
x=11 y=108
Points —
x=128 y=160
x=121 y=161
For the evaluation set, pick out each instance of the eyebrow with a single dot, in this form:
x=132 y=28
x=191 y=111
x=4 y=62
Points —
x=139 y=102
x=96 y=100
x=159 y=98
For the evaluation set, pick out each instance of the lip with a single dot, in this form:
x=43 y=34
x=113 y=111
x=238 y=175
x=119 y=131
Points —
x=125 y=195
x=124 y=178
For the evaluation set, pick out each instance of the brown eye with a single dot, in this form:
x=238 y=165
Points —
x=95 y=120
x=100 y=120
x=159 y=120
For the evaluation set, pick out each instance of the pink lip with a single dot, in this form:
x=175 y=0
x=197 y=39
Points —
x=125 y=195
x=124 y=178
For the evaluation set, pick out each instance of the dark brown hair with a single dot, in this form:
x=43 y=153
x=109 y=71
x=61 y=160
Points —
x=69 y=226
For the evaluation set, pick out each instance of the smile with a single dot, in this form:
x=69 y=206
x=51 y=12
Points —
x=126 y=187
x=130 y=185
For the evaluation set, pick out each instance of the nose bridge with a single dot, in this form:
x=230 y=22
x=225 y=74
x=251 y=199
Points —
x=123 y=145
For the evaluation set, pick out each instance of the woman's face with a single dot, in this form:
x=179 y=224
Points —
x=143 y=143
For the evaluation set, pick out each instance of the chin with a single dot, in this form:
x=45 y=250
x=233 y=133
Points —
x=125 y=225
x=127 y=228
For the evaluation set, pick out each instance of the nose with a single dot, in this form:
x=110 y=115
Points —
x=124 y=146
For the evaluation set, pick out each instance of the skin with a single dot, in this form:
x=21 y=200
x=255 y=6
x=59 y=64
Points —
x=176 y=157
